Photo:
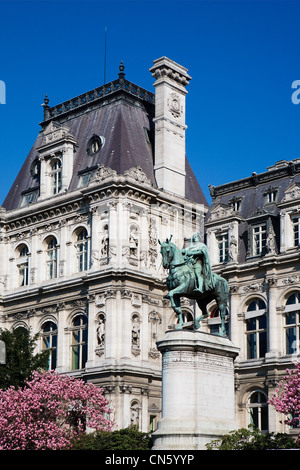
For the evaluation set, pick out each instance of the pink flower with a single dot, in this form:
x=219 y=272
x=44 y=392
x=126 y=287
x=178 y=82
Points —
x=286 y=400
x=50 y=411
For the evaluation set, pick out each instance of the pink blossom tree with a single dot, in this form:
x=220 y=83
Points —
x=286 y=400
x=50 y=411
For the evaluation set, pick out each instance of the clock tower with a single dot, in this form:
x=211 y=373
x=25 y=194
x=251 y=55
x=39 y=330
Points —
x=170 y=159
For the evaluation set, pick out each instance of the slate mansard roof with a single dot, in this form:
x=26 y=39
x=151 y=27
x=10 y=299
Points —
x=254 y=205
x=251 y=191
x=120 y=112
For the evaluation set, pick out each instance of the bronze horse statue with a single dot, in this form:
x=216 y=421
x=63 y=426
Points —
x=182 y=282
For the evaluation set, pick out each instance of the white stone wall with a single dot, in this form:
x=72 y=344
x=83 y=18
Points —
x=124 y=283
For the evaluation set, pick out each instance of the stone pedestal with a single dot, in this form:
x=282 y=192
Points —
x=198 y=402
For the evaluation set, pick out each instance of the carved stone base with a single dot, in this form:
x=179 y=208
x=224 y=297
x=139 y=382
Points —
x=197 y=390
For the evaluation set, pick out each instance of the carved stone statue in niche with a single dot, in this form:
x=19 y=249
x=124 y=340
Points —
x=133 y=242
x=152 y=233
x=135 y=332
x=105 y=242
x=134 y=414
x=271 y=241
x=101 y=331
x=232 y=254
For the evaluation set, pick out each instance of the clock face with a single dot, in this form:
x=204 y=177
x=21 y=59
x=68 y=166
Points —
x=174 y=105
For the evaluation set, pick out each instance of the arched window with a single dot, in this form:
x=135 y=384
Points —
x=49 y=342
x=258 y=409
x=256 y=329
x=79 y=342
x=56 y=176
x=22 y=264
x=51 y=249
x=215 y=322
x=82 y=249
x=292 y=324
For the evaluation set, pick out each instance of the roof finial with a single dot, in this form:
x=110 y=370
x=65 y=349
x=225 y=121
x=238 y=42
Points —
x=121 y=68
x=46 y=106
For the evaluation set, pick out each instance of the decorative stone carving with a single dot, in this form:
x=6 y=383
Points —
x=134 y=414
x=138 y=174
x=292 y=193
x=255 y=287
x=233 y=249
x=101 y=330
x=174 y=105
x=54 y=132
x=102 y=173
x=271 y=244
x=133 y=242
x=135 y=335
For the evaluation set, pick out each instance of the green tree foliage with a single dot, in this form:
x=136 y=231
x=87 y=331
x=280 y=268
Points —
x=123 y=439
x=20 y=357
x=246 y=439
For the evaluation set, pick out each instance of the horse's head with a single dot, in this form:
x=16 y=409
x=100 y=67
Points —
x=167 y=252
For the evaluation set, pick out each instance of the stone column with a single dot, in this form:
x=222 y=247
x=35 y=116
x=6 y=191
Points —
x=198 y=402
x=274 y=330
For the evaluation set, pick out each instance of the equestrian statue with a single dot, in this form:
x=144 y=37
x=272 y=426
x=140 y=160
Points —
x=190 y=276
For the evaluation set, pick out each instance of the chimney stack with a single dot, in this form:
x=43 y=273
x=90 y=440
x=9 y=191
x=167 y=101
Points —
x=169 y=164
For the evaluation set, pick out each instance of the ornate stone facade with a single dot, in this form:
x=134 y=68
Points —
x=80 y=260
x=253 y=238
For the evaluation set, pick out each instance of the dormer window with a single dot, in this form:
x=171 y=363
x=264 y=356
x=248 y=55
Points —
x=56 y=160
x=28 y=197
x=271 y=195
x=236 y=203
x=296 y=230
x=259 y=234
x=35 y=169
x=95 y=144
x=56 y=176
x=222 y=240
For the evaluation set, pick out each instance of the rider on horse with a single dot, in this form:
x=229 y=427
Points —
x=197 y=255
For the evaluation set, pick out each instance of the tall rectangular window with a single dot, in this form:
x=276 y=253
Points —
x=49 y=343
x=222 y=241
x=79 y=342
x=82 y=250
x=256 y=332
x=296 y=230
x=259 y=239
x=51 y=259
x=292 y=324
x=56 y=176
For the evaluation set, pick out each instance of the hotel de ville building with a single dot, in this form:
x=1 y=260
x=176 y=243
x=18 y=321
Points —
x=108 y=178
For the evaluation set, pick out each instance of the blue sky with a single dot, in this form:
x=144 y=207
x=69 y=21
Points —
x=243 y=57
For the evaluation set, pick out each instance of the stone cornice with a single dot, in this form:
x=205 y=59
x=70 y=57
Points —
x=255 y=179
x=105 y=185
